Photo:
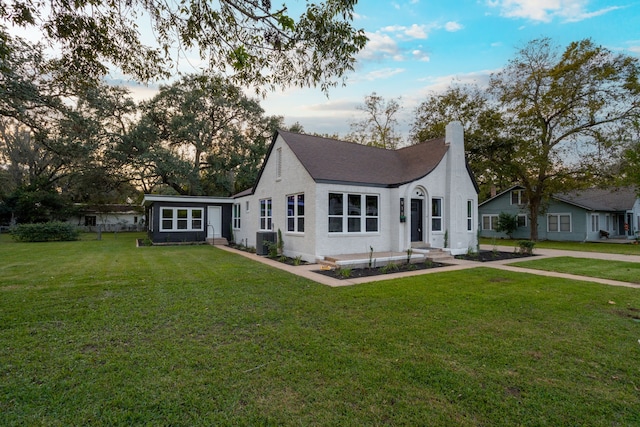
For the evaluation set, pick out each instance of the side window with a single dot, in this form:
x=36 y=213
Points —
x=436 y=214
x=265 y=214
x=236 y=216
x=295 y=213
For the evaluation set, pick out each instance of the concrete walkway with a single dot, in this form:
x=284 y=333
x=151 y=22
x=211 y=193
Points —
x=308 y=271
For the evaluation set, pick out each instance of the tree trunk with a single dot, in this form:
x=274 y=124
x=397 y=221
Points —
x=534 y=210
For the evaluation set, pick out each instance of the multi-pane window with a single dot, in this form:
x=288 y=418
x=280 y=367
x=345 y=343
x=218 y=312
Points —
x=436 y=214
x=181 y=219
x=90 y=220
x=489 y=222
x=371 y=214
x=359 y=214
x=236 y=216
x=469 y=215
x=595 y=222
x=518 y=197
x=265 y=214
x=336 y=212
x=558 y=223
x=295 y=213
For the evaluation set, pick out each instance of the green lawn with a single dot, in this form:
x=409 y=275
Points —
x=613 y=248
x=605 y=269
x=103 y=333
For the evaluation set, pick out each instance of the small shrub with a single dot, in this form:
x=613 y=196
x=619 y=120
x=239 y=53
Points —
x=409 y=252
x=526 y=247
x=297 y=260
x=45 y=232
x=280 y=245
x=272 y=248
x=392 y=267
x=345 y=273
x=507 y=223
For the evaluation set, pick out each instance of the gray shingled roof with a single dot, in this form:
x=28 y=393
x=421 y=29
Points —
x=331 y=160
x=597 y=199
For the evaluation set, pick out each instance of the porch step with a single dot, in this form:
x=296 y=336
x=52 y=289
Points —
x=439 y=255
x=218 y=241
x=420 y=245
x=363 y=260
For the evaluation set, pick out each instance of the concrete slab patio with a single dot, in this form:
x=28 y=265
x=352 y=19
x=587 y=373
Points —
x=308 y=271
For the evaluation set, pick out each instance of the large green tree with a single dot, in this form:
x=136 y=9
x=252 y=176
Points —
x=254 y=41
x=556 y=119
x=56 y=139
x=487 y=147
x=201 y=135
x=566 y=111
x=378 y=126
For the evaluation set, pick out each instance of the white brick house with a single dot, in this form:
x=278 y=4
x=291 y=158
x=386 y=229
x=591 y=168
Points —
x=330 y=197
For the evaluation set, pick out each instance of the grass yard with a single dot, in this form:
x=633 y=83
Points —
x=604 y=269
x=613 y=248
x=102 y=333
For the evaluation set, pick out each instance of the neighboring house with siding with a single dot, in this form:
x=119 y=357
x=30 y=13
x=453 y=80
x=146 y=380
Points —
x=581 y=215
x=330 y=197
x=108 y=217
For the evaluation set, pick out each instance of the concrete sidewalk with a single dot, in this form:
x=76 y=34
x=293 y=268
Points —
x=308 y=271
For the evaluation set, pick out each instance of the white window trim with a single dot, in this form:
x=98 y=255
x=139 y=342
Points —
x=526 y=220
x=559 y=228
x=296 y=215
x=363 y=214
x=520 y=194
x=268 y=217
x=469 y=215
x=595 y=222
x=493 y=219
x=237 y=216
x=174 y=219
x=440 y=217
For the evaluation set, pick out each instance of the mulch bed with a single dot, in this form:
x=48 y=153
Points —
x=488 y=256
x=377 y=271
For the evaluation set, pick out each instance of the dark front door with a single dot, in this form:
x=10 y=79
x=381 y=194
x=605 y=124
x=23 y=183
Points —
x=416 y=220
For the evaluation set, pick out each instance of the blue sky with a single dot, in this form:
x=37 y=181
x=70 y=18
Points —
x=420 y=46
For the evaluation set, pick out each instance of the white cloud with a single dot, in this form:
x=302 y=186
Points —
x=420 y=55
x=441 y=83
x=453 y=26
x=587 y=15
x=415 y=31
x=547 y=10
x=381 y=74
x=380 y=46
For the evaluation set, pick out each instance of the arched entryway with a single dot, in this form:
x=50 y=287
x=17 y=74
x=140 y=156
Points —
x=417 y=217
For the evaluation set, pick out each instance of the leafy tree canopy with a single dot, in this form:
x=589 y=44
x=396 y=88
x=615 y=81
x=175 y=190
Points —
x=559 y=118
x=378 y=126
x=252 y=41
x=200 y=135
